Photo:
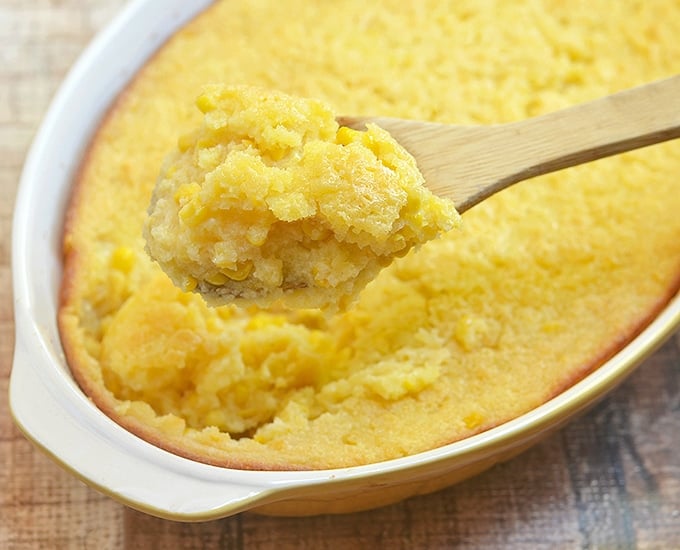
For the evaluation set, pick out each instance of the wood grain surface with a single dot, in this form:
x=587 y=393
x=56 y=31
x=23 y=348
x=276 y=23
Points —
x=611 y=479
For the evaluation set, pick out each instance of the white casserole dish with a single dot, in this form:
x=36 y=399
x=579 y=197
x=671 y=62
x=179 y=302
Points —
x=52 y=411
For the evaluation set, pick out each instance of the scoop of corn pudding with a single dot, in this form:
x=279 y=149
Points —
x=270 y=200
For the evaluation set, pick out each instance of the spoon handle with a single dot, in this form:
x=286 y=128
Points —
x=615 y=124
x=471 y=163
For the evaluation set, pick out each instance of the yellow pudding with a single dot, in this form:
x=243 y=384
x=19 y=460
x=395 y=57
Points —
x=539 y=285
x=271 y=201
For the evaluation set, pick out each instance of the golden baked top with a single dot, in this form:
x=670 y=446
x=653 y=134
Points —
x=540 y=284
x=270 y=200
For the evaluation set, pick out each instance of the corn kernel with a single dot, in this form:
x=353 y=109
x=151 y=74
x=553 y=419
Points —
x=277 y=153
x=315 y=232
x=552 y=327
x=123 y=258
x=206 y=143
x=370 y=142
x=257 y=235
x=186 y=191
x=241 y=272
x=346 y=135
x=257 y=322
x=320 y=281
x=473 y=420
x=224 y=313
x=205 y=103
x=193 y=213
x=217 y=279
x=189 y=284
x=185 y=142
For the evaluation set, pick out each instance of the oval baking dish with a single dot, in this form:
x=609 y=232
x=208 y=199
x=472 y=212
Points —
x=58 y=417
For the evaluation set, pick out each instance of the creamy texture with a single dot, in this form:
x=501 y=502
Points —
x=539 y=285
x=271 y=201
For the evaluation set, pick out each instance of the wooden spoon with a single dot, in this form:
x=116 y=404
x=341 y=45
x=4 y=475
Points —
x=470 y=163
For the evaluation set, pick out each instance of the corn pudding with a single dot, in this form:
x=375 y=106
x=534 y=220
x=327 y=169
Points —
x=539 y=285
x=271 y=201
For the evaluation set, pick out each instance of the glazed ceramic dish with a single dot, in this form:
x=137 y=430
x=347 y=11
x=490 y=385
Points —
x=52 y=411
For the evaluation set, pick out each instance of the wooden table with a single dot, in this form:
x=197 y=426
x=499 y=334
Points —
x=609 y=480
